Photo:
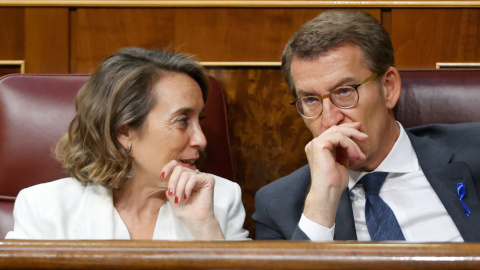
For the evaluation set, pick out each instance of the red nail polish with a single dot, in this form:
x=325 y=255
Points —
x=162 y=175
x=176 y=199
x=170 y=191
x=184 y=196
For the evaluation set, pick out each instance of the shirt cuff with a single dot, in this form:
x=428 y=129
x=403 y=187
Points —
x=314 y=231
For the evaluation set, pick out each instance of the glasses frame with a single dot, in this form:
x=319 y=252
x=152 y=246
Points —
x=329 y=95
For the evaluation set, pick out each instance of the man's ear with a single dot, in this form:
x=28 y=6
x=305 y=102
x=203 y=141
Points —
x=392 y=87
x=124 y=136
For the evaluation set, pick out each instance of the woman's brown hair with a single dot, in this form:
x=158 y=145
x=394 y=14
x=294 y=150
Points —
x=119 y=93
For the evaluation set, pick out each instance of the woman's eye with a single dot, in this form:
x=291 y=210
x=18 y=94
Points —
x=183 y=120
x=200 y=119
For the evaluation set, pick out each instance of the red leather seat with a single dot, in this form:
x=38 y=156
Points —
x=35 y=111
x=439 y=96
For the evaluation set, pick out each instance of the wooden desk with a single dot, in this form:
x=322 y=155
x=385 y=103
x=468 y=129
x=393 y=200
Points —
x=15 y=254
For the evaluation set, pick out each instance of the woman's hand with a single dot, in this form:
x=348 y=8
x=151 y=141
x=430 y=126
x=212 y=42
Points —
x=191 y=197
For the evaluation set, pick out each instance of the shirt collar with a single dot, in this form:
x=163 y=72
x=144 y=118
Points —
x=401 y=159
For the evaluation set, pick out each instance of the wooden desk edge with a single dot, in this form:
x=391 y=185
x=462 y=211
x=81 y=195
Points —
x=114 y=254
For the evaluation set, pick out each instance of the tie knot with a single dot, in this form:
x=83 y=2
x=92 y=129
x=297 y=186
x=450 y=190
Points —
x=372 y=182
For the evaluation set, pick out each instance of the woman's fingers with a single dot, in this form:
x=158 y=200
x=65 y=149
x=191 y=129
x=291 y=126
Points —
x=190 y=185
x=168 y=171
x=183 y=181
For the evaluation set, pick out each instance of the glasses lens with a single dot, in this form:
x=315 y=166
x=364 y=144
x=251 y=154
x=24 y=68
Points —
x=344 y=97
x=309 y=106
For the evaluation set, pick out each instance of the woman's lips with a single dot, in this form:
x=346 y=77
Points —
x=188 y=164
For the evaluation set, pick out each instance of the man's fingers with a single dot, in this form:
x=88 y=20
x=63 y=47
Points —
x=332 y=141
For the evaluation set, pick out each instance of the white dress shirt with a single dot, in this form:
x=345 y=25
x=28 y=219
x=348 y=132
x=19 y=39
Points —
x=419 y=211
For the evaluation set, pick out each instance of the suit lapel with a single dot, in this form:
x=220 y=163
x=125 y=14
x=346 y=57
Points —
x=344 y=224
x=95 y=216
x=443 y=175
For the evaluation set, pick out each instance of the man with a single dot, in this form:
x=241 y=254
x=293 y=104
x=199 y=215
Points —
x=340 y=69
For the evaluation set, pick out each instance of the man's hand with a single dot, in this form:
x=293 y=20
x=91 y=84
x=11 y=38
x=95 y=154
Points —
x=329 y=156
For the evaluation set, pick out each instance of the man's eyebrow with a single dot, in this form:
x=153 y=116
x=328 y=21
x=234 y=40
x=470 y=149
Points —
x=301 y=93
x=342 y=82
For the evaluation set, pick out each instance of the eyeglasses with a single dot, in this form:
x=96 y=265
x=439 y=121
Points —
x=344 y=97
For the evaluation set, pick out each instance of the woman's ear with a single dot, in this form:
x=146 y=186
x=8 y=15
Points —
x=124 y=136
x=392 y=87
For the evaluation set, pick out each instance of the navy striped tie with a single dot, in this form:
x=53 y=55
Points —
x=381 y=222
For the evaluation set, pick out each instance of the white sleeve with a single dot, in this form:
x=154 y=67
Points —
x=236 y=217
x=27 y=218
x=315 y=231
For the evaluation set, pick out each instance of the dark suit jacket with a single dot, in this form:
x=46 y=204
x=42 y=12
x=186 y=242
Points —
x=448 y=154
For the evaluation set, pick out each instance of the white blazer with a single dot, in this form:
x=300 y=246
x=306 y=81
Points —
x=69 y=209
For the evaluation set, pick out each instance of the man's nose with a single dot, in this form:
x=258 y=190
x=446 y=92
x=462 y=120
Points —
x=331 y=114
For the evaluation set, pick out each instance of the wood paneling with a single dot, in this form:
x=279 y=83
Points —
x=12 y=66
x=267 y=135
x=238 y=34
x=73 y=39
x=211 y=34
x=46 y=40
x=102 y=31
x=7 y=69
x=423 y=37
x=12 y=35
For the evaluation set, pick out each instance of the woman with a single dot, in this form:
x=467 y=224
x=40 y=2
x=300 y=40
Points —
x=131 y=151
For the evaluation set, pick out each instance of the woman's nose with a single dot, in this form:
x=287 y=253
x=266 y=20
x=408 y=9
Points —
x=198 y=138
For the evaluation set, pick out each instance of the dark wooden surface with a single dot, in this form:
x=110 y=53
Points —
x=220 y=34
x=423 y=37
x=234 y=255
x=12 y=38
x=46 y=40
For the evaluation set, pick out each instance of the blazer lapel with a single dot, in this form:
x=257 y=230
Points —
x=344 y=224
x=95 y=215
x=444 y=175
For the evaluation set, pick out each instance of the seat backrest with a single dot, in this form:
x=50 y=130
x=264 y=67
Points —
x=439 y=96
x=35 y=111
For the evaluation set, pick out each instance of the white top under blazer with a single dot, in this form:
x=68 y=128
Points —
x=69 y=209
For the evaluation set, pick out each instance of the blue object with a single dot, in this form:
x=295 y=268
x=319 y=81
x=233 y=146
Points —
x=381 y=221
x=461 y=189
